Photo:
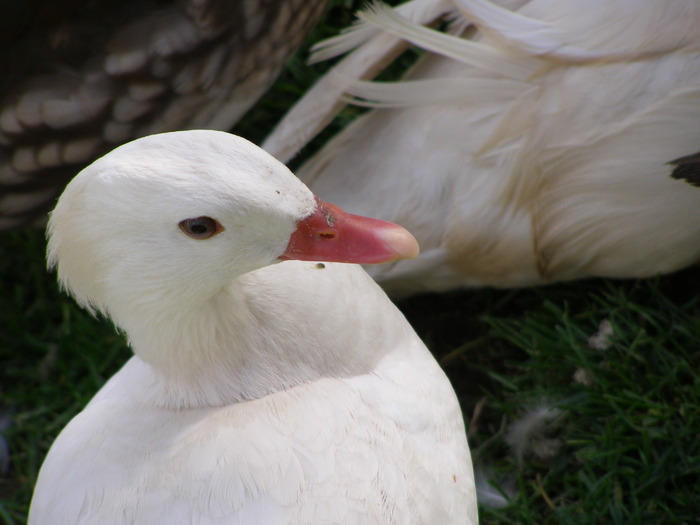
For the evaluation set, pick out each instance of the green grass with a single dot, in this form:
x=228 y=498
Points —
x=626 y=447
x=630 y=451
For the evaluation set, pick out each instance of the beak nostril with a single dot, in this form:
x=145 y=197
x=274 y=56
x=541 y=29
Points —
x=327 y=235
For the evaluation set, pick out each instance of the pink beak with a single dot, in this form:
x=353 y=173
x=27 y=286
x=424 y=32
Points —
x=330 y=234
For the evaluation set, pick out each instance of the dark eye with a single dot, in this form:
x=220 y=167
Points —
x=201 y=227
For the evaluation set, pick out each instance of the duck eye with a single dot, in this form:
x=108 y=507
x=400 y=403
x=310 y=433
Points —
x=201 y=227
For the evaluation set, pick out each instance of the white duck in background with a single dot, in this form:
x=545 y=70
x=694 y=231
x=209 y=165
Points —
x=534 y=147
x=259 y=392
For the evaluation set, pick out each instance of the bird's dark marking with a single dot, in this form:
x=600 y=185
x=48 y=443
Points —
x=320 y=266
x=687 y=169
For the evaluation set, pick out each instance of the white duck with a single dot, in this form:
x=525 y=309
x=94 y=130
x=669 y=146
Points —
x=535 y=148
x=259 y=392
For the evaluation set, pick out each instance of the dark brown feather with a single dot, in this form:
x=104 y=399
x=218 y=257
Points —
x=80 y=77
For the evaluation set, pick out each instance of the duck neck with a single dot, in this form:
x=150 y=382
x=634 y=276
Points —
x=256 y=336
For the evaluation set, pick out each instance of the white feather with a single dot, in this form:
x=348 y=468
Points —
x=468 y=52
x=525 y=432
x=320 y=104
x=438 y=91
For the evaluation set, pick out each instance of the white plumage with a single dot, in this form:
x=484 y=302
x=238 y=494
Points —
x=285 y=393
x=536 y=147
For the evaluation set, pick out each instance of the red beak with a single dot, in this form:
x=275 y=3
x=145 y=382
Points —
x=330 y=234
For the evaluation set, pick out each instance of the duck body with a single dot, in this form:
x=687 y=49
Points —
x=351 y=446
x=294 y=393
x=538 y=151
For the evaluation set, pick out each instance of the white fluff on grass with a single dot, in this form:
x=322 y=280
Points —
x=602 y=339
x=528 y=434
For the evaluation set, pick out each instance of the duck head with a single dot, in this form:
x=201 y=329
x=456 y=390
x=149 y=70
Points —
x=170 y=219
